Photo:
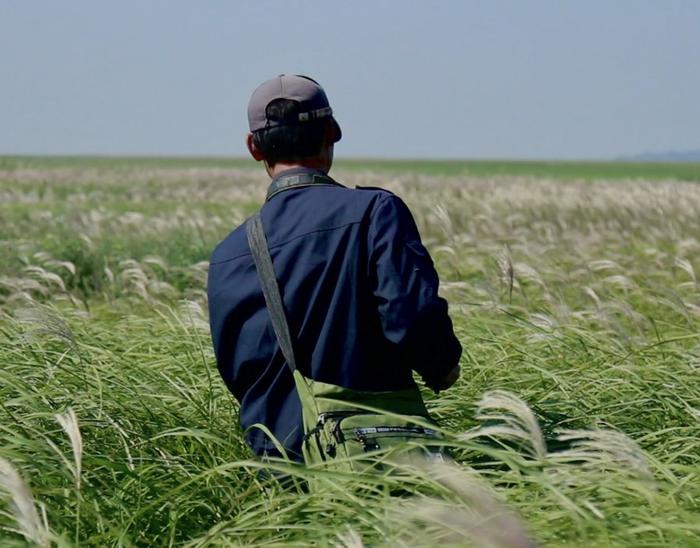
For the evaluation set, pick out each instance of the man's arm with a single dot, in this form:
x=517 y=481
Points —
x=405 y=284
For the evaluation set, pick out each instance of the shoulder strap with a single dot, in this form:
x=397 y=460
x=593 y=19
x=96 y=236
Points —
x=273 y=300
x=271 y=292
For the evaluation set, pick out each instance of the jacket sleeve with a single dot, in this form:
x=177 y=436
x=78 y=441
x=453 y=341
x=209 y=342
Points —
x=405 y=285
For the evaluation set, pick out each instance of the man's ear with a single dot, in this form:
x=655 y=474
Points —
x=254 y=151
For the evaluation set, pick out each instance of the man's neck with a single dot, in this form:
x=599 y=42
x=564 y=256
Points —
x=279 y=167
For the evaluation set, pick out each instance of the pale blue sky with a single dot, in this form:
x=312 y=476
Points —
x=460 y=79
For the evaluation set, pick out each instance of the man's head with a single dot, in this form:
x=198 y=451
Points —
x=291 y=123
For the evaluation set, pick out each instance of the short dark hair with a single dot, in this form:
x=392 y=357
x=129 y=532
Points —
x=292 y=140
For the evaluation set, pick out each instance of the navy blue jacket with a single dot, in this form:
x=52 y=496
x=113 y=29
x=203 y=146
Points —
x=361 y=296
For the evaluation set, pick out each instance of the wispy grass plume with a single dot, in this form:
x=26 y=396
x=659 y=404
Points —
x=27 y=521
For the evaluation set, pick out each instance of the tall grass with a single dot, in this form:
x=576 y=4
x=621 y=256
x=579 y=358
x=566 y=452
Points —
x=576 y=421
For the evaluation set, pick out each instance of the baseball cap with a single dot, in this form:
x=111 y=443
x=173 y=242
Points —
x=313 y=103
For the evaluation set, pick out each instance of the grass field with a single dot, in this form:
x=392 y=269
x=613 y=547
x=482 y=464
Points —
x=587 y=170
x=573 y=288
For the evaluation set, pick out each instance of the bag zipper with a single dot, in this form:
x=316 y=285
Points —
x=367 y=435
x=379 y=430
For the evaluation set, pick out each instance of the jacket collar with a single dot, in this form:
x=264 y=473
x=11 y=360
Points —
x=299 y=177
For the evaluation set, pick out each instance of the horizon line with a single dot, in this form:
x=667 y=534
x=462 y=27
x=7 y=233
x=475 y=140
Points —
x=652 y=158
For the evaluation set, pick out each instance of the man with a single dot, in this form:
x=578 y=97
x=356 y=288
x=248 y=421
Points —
x=360 y=291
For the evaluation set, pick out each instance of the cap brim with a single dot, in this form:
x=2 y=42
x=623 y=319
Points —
x=338 y=131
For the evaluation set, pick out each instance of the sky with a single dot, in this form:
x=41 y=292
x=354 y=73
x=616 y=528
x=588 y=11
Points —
x=433 y=79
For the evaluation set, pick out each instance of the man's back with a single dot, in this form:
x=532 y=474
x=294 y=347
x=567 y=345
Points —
x=360 y=293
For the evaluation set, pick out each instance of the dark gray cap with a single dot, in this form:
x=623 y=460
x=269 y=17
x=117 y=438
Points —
x=310 y=95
